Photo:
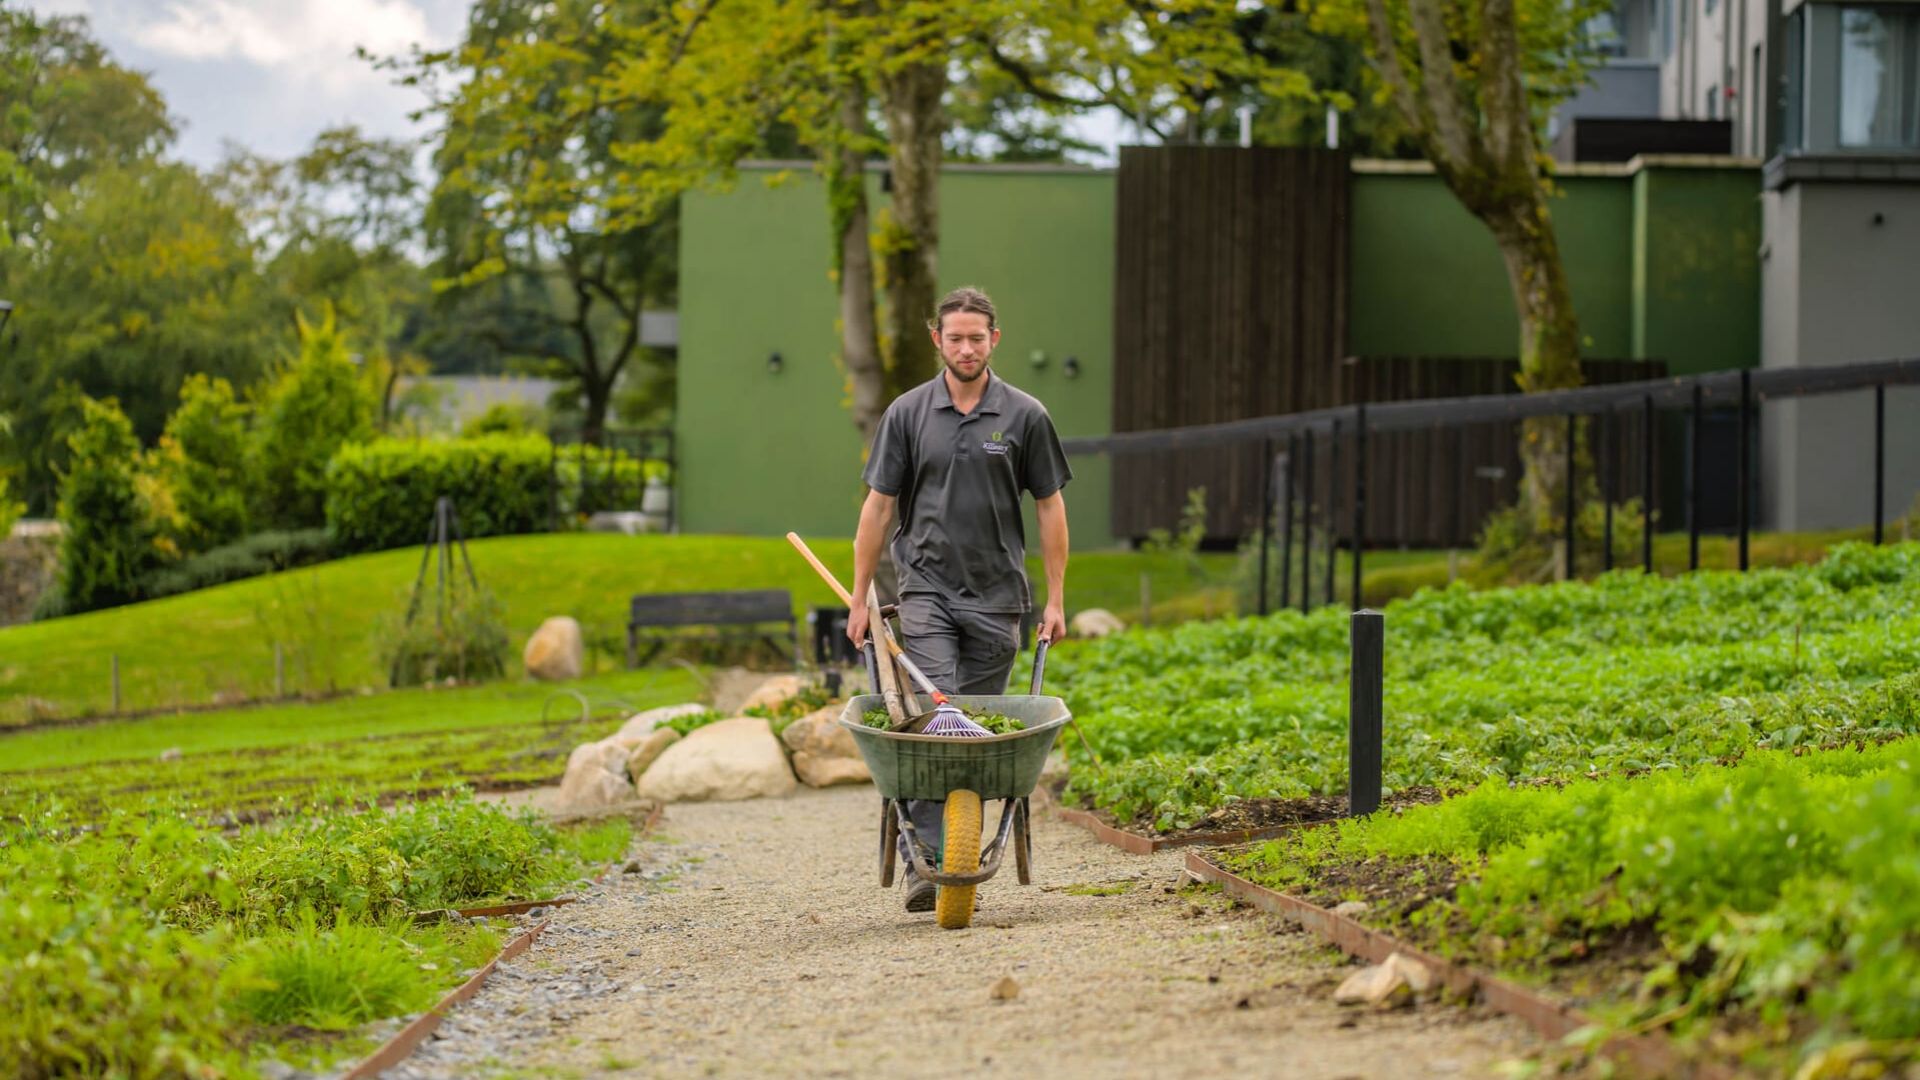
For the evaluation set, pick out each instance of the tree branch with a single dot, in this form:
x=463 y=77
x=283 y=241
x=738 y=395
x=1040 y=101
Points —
x=1453 y=133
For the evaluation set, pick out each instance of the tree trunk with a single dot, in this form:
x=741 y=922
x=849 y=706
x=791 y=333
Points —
x=1549 y=340
x=853 y=258
x=910 y=239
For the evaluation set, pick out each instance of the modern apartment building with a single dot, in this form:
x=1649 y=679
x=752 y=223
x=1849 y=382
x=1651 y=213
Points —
x=1824 y=96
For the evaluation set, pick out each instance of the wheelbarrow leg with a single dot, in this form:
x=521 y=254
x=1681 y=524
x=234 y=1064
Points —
x=889 y=842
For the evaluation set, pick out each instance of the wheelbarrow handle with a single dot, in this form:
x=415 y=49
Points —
x=1039 y=665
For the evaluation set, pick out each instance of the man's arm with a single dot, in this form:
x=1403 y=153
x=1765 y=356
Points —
x=1052 y=515
x=875 y=515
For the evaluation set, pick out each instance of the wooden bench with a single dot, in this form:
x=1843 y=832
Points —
x=739 y=615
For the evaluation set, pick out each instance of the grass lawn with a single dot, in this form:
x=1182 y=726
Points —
x=396 y=742
x=217 y=645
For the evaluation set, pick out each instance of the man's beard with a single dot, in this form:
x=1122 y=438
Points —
x=963 y=376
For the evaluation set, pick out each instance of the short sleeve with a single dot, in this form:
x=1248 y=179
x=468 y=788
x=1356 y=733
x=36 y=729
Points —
x=1046 y=469
x=890 y=460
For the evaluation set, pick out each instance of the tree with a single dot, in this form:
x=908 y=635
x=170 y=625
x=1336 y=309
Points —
x=66 y=112
x=525 y=218
x=138 y=276
x=107 y=544
x=316 y=405
x=848 y=79
x=1473 y=81
x=202 y=462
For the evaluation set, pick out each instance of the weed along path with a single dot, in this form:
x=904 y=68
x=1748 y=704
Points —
x=750 y=939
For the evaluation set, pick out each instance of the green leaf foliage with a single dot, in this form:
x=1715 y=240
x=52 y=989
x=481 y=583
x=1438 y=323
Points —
x=316 y=405
x=1624 y=673
x=1783 y=890
x=108 y=543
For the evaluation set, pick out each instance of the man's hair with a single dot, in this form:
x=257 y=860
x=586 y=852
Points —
x=964 y=298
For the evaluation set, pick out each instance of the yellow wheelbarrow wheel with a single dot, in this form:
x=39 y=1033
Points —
x=960 y=854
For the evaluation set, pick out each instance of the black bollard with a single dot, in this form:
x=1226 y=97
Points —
x=1364 y=704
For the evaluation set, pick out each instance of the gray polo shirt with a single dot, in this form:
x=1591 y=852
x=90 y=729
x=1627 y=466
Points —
x=959 y=479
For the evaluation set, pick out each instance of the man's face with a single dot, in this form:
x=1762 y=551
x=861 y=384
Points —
x=965 y=343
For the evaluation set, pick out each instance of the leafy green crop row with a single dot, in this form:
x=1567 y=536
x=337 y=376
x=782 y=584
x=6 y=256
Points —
x=154 y=946
x=1628 y=672
x=1783 y=893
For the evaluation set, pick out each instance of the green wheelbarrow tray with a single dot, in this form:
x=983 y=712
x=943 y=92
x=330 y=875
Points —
x=991 y=766
x=1005 y=767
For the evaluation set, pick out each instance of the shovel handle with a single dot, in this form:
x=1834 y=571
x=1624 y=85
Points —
x=883 y=634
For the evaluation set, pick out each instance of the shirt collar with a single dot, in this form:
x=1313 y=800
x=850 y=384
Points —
x=990 y=402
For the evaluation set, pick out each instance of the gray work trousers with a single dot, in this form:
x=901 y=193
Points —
x=960 y=652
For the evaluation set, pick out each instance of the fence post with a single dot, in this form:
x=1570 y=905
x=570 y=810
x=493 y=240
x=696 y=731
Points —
x=1879 y=462
x=1359 y=494
x=1266 y=516
x=1454 y=537
x=1741 y=501
x=1573 y=437
x=115 y=661
x=1365 y=698
x=1286 y=526
x=1333 y=504
x=1695 y=421
x=1605 y=438
x=1646 y=486
x=1306 y=524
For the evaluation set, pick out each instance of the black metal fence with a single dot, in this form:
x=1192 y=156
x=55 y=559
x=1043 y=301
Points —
x=589 y=478
x=1290 y=444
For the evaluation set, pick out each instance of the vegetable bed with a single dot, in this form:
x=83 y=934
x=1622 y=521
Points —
x=1766 y=912
x=1625 y=674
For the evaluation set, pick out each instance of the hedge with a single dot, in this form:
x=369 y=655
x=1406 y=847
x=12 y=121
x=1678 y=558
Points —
x=380 y=494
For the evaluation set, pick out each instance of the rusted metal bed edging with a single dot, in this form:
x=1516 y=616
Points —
x=408 y=1039
x=1551 y=1019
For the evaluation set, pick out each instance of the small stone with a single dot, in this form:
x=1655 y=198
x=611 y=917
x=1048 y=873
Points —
x=1352 y=909
x=1382 y=986
x=171 y=753
x=1213 y=977
x=1005 y=990
x=632 y=867
x=537 y=912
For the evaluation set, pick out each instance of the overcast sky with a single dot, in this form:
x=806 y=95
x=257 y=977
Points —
x=271 y=74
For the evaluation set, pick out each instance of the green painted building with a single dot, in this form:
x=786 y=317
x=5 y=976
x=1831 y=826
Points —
x=1661 y=254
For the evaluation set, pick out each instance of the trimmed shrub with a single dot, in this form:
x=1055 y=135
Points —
x=380 y=494
x=202 y=460
x=107 y=547
x=318 y=404
x=261 y=553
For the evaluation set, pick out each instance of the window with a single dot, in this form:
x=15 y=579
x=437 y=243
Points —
x=1880 y=78
x=1792 y=68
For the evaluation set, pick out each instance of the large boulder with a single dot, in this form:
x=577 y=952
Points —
x=642 y=724
x=648 y=750
x=824 y=753
x=1095 y=623
x=728 y=759
x=596 y=779
x=556 y=651
x=773 y=691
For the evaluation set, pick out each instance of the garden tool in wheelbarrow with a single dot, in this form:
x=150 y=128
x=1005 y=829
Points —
x=944 y=718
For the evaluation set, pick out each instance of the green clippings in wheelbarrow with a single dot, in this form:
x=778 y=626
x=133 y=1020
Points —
x=928 y=766
x=995 y=723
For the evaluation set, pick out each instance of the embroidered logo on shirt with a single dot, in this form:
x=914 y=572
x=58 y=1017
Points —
x=994 y=445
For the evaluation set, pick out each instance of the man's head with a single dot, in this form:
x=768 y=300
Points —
x=964 y=331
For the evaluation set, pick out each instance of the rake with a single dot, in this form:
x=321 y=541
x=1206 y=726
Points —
x=947 y=718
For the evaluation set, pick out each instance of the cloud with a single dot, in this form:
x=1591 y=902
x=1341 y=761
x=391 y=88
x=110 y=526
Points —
x=314 y=38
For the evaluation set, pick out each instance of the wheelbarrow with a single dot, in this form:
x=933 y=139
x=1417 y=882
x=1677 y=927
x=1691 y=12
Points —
x=966 y=773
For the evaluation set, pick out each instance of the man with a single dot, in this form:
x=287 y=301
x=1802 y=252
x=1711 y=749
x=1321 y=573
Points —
x=949 y=463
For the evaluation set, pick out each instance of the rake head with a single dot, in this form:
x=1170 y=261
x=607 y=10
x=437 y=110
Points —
x=948 y=720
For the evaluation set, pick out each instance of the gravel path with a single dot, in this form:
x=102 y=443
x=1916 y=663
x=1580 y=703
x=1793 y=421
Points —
x=754 y=941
